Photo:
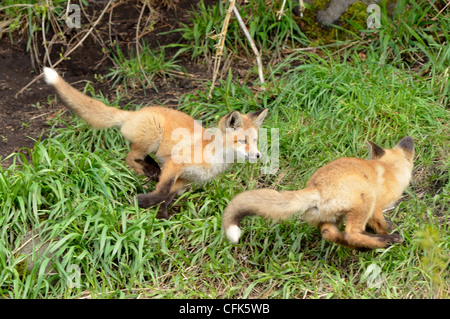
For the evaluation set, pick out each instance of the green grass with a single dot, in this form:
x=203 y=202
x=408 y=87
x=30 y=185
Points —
x=33 y=21
x=77 y=193
x=129 y=71
x=270 y=34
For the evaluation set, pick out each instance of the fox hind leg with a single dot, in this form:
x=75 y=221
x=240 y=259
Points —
x=383 y=226
x=364 y=213
x=331 y=232
x=150 y=167
x=380 y=224
x=355 y=232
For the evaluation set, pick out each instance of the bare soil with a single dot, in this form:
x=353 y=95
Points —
x=25 y=114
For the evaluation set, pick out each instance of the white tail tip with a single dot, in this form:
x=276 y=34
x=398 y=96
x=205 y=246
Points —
x=233 y=234
x=50 y=76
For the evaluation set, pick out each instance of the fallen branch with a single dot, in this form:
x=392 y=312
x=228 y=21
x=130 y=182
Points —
x=71 y=49
x=252 y=43
x=137 y=43
x=281 y=12
x=220 y=45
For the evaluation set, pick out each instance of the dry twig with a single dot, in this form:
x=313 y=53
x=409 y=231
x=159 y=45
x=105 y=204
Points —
x=71 y=49
x=252 y=43
x=137 y=42
x=442 y=10
x=220 y=45
x=281 y=12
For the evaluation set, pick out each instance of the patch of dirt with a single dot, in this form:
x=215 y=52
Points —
x=24 y=116
x=19 y=119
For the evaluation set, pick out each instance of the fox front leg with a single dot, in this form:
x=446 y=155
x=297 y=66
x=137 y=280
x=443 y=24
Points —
x=150 y=167
x=165 y=190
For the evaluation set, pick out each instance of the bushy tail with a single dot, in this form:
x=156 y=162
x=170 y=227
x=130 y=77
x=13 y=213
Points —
x=266 y=203
x=92 y=111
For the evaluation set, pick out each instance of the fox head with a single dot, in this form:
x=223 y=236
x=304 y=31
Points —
x=240 y=133
x=401 y=154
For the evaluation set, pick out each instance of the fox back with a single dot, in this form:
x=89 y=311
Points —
x=166 y=133
x=350 y=189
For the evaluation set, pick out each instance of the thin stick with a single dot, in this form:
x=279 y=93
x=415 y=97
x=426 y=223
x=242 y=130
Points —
x=302 y=8
x=17 y=5
x=433 y=19
x=137 y=43
x=281 y=12
x=252 y=43
x=86 y=35
x=71 y=50
x=98 y=38
x=24 y=244
x=220 y=45
x=44 y=39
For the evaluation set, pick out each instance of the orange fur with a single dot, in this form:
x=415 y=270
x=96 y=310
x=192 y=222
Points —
x=350 y=189
x=162 y=131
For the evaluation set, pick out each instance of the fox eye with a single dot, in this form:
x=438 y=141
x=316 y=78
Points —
x=243 y=141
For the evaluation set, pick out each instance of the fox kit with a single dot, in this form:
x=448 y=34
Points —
x=351 y=188
x=157 y=130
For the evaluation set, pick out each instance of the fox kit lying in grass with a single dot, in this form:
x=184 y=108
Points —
x=351 y=188
x=157 y=130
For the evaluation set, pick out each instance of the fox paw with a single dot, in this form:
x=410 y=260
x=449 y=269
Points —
x=162 y=214
x=142 y=201
x=147 y=200
x=395 y=238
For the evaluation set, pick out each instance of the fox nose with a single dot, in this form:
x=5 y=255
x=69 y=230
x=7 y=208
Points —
x=258 y=155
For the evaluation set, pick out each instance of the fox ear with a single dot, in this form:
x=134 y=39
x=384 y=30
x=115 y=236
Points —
x=407 y=144
x=375 y=150
x=257 y=117
x=234 y=120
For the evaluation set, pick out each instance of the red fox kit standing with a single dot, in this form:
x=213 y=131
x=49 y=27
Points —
x=157 y=130
x=350 y=188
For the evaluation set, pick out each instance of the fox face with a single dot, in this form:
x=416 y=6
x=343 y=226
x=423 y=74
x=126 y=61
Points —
x=245 y=144
x=241 y=134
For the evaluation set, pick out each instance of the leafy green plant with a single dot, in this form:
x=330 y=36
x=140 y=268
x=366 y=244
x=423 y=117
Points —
x=268 y=32
x=412 y=35
x=433 y=261
x=134 y=71
x=34 y=18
